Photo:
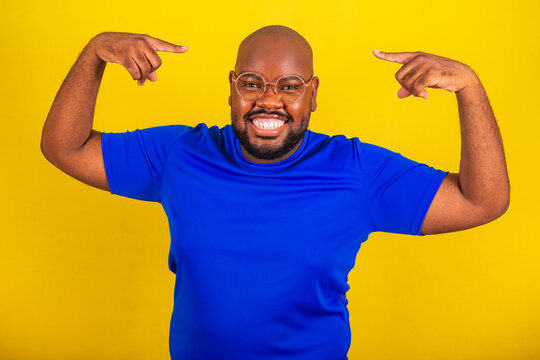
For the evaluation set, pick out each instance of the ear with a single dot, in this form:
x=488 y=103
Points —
x=231 y=86
x=314 y=88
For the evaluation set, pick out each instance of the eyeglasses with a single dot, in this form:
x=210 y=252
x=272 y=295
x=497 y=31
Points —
x=289 y=88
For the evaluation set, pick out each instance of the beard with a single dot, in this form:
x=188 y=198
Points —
x=274 y=151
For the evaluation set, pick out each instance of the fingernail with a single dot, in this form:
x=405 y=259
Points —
x=377 y=51
x=184 y=47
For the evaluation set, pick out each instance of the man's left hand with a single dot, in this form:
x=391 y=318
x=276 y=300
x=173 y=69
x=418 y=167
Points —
x=421 y=70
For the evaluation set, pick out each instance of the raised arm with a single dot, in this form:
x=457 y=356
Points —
x=68 y=140
x=480 y=193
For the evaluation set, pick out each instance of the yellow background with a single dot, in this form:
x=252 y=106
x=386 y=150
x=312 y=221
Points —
x=83 y=274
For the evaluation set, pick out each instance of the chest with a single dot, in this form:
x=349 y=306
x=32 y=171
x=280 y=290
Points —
x=301 y=214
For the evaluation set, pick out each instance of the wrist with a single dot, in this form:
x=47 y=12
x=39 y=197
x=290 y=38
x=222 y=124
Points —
x=91 y=50
x=470 y=81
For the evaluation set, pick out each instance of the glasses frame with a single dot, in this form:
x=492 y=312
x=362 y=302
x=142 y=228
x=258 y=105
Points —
x=273 y=83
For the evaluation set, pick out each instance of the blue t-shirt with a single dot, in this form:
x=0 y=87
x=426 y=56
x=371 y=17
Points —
x=262 y=251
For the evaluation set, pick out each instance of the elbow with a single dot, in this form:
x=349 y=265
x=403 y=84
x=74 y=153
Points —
x=44 y=150
x=504 y=207
x=504 y=204
x=492 y=206
x=497 y=209
x=43 y=145
x=47 y=152
x=497 y=202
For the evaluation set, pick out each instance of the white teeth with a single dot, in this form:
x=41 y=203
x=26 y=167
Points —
x=270 y=124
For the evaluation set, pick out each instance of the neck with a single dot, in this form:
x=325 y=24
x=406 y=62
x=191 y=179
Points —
x=254 y=159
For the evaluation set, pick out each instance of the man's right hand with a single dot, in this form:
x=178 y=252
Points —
x=68 y=140
x=136 y=52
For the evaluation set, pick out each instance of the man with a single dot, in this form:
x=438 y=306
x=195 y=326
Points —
x=266 y=216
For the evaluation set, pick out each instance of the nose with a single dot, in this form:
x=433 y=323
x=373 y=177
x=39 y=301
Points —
x=269 y=99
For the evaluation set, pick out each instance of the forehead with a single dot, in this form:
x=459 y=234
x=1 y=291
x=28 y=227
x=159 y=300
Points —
x=274 y=56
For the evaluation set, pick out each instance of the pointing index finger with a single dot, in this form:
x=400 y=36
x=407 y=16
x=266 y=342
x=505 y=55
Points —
x=161 y=45
x=398 y=57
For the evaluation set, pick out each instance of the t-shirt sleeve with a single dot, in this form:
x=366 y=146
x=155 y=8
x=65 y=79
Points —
x=399 y=190
x=135 y=160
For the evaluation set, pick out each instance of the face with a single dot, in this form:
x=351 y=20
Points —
x=263 y=57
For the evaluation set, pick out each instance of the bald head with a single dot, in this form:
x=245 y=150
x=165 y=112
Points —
x=274 y=52
x=275 y=46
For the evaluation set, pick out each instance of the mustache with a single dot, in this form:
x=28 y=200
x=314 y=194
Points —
x=281 y=115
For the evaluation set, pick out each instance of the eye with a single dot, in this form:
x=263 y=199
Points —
x=251 y=85
x=290 y=84
x=289 y=87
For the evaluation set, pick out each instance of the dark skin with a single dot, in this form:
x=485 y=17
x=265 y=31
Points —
x=478 y=194
x=261 y=55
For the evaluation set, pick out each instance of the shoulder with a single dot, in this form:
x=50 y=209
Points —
x=319 y=141
x=184 y=133
x=344 y=145
x=335 y=152
x=200 y=138
x=166 y=134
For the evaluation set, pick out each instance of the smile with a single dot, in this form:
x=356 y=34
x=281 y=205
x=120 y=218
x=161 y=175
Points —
x=268 y=123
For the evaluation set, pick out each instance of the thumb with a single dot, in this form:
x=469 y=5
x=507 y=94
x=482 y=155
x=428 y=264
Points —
x=403 y=93
x=152 y=76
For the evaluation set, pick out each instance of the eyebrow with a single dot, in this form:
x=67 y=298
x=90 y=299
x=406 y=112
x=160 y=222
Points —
x=254 y=74
x=291 y=77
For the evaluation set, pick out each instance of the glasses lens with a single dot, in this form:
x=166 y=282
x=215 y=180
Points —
x=250 y=86
x=290 y=88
